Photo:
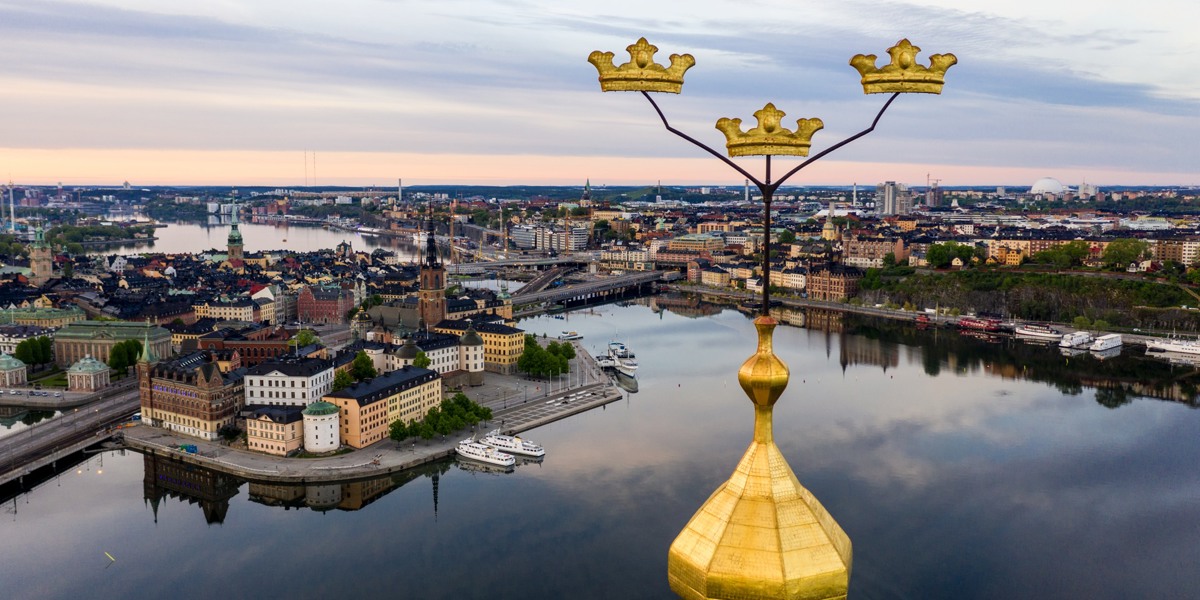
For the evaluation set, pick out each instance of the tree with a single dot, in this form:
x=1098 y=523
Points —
x=118 y=358
x=362 y=367
x=889 y=260
x=941 y=255
x=342 y=380
x=305 y=337
x=26 y=352
x=786 y=236
x=1122 y=252
x=399 y=431
x=68 y=270
x=44 y=350
x=422 y=360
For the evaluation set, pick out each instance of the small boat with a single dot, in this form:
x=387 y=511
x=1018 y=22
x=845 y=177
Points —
x=1039 y=331
x=513 y=444
x=624 y=359
x=1077 y=339
x=978 y=324
x=473 y=450
x=1174 y=345
x=570 y=335
x=1106 y=342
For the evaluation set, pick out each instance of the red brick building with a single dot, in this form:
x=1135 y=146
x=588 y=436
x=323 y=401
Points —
x=323 y=305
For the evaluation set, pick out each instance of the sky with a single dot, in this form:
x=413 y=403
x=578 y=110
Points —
x=365 y=92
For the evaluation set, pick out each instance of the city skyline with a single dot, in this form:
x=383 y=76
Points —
x=497 y=94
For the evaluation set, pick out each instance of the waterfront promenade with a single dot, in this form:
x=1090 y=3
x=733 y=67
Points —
x=517 y=405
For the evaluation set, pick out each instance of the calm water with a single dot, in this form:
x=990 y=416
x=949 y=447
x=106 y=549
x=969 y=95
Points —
x=196 y=238
x=960 y=469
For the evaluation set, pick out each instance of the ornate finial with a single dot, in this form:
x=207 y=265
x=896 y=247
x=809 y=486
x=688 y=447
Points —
x=761 y=534
x=903 y=74
x=763 y=376
x=768 y=138
x=641 y=73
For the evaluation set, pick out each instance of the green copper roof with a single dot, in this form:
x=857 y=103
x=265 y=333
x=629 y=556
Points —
x=8 y=363
x=87 y=364
x=319 y=408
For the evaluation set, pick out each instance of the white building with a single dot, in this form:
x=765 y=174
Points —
x=288 y=382
x=321 y=427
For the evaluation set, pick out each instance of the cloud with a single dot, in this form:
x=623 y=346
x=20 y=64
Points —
x=511 y=79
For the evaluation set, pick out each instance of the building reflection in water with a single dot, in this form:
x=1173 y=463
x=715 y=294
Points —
x=212 y=490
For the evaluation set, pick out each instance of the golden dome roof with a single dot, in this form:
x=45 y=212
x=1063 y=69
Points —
x=761 y=534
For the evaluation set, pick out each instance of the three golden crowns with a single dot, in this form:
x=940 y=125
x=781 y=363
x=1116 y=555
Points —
x=642 y=74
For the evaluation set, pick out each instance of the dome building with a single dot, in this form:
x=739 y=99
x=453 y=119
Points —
x=87 y=375
x=321 y=427
x=1048 y=186
x=12 y=371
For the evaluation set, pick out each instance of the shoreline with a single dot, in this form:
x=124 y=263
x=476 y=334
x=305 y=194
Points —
x=388 y=456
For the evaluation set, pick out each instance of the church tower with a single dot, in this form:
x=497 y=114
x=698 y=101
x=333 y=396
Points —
x=432 y=295
x=41 y=259
x=235 y=238
x=145 y=367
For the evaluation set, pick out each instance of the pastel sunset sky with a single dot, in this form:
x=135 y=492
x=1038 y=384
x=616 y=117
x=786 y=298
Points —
x=362 y=92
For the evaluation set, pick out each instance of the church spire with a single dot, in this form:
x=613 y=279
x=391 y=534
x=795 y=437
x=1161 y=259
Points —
x=431 y=255
x=147 y=352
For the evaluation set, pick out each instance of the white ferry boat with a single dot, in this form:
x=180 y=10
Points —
x=1174 y=345
x=624 y=359
x=570 y=335
x=484 y=453
x=1078 y=339
x=513 y=444
x=1106 y=342
x=1039 y=331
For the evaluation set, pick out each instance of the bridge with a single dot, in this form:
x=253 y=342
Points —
x=540 y=283
x=592 y=292
x=47 y=442
x=477 y=268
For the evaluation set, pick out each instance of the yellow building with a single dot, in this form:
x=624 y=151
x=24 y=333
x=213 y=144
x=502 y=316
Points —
x=502 y=344
x=369 y=407
x=275 y=429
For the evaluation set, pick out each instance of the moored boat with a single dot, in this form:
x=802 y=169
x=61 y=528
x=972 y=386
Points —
x=1106 y=342
x=623 y=358
x=513 y=444
x=979 y=324
x=1076 y=339
x=473 y=450
x=570 y=335
x=1174 y=345
x=1039 y=331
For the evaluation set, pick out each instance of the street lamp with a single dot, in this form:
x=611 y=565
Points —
x=728 y=548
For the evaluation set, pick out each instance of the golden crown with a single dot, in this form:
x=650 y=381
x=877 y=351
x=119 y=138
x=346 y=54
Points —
x=641 y=73
x=903 y=74
x=768 y=137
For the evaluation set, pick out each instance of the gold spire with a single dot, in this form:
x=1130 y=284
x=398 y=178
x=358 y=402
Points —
x=761 y=534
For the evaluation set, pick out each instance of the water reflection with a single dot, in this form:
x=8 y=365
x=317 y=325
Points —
x=211 y=490
x=1118 y=377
